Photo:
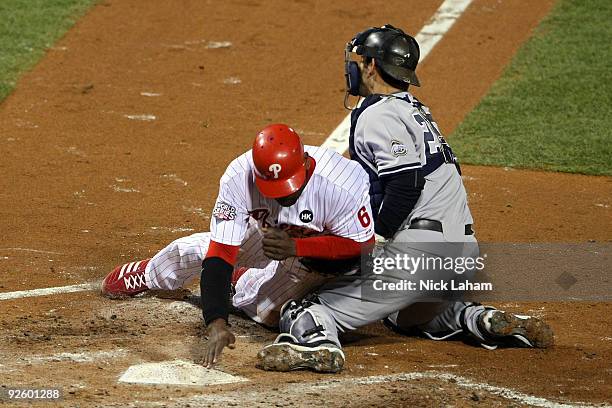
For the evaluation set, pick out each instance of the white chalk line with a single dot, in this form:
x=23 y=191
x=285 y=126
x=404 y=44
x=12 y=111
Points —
x=38 y=251
x=450 y=379
x=46 y=291
x=76 y=357
x=444 y=18
x=464 y=382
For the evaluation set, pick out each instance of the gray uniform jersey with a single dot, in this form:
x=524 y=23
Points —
x=395 y=133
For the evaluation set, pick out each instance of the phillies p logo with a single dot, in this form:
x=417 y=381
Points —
x=275 y=168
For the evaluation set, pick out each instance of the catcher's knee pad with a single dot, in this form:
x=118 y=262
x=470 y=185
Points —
x=306 y=322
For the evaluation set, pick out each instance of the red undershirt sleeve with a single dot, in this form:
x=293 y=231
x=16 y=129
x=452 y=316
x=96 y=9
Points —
x=229 y=253
x=330 y=247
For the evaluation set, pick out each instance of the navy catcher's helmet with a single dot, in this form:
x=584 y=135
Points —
x=396 y=54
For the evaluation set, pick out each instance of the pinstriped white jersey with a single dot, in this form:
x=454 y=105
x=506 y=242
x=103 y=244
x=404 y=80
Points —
x=335 y=201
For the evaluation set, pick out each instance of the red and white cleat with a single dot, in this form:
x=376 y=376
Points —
x=126 y=280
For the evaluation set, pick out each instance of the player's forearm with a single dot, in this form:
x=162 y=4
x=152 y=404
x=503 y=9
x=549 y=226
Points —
x=215 y=285
x=402 y=191
x=330 y=247
x=215 y=281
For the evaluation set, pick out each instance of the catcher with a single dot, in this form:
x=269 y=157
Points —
x=420 y=210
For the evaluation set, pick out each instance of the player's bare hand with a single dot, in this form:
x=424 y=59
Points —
x=277 y=244
x=219 y=337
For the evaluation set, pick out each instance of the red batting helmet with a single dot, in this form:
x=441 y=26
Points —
x=280 y=165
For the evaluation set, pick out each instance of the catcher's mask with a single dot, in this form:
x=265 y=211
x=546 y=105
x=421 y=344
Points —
x=396 y=54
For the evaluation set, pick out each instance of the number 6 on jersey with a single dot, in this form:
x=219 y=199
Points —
x=364 y=217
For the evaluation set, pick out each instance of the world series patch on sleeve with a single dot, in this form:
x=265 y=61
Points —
x=224 y=211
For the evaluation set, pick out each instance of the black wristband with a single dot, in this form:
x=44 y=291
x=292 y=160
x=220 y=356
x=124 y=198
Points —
x=215 y=286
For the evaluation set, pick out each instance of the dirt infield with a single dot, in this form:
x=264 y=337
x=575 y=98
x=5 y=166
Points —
x=113 y=146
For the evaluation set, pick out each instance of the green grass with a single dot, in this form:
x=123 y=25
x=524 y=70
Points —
x=27 y=29
x=552 y=108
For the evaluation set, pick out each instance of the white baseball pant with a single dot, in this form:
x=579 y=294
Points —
x=260 y=291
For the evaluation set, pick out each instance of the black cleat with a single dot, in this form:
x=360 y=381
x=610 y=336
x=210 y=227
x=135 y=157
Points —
x=286 y=354
x=507 y=329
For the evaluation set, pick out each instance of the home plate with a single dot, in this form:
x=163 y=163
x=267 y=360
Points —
x=176 y=373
